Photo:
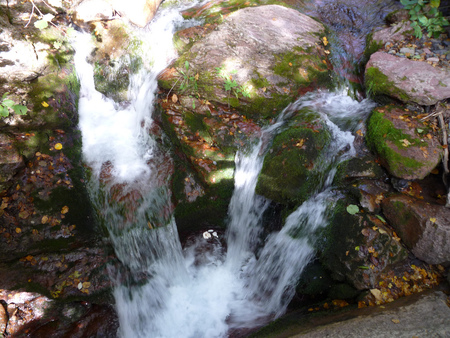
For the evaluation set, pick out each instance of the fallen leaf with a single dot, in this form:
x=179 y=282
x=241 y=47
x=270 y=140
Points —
x=18 y=230
x=58 y=146
x=44 y=219
x=65 y=210
x=405 y=142
x=352 y=209
x=395 y=321
x=325 y=41
x=44 y=104
x=377 y=294
x=432 y=220
x=174 y=98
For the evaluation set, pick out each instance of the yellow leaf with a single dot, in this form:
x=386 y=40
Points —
x=359 y=132
x=58 y=146
x=325 y=41
x=18 y=230
x=432 y=220
x=290 y=64
x=44 y=219
x=395 y=321
x=65 y=210
x=44 y=104
x=196 y=77
x=86 y=285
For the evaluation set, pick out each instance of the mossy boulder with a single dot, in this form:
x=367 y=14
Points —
x=406 y=80
x=292 y=169
x=115 y=58
x=257 y=59
x=204 y=142
x=357 y=247
x=406 y=146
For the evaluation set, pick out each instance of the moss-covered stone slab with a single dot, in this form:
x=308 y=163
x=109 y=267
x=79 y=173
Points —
x=205 y=140
x=358 y=247
x=257 y=59
x=406 y=80
x=423 y=227
x=291 y=171
x=406 y=146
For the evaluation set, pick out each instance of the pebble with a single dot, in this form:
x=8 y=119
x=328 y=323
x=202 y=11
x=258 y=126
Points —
x=433 y=59
x=406 y=50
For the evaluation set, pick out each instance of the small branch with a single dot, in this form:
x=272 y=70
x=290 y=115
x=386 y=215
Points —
x=439 y=113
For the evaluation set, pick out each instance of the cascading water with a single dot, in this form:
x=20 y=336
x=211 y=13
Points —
x=196 y=293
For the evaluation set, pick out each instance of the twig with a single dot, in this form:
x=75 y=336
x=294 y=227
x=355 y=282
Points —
x=439 y=113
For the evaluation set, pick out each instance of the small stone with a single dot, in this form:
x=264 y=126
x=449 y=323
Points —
x=433 y=59
x=406 y=50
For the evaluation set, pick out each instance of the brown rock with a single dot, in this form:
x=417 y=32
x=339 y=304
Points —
x=392 y=34
x=3 y=319
x=407 y=80
x=10 y=161
x=423 y=227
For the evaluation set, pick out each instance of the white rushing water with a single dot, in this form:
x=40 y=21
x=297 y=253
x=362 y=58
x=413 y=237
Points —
x=201 y=291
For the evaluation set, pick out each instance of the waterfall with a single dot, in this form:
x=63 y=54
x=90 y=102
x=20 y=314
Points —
x=202 y=290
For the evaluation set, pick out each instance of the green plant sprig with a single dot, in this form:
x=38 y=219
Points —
x=424 y=14
x=230 y=85
x=7 y=105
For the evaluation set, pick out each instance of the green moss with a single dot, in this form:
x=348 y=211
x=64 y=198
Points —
x=289 y=175
x=372 y=46
x=380 y=130
x=314 y=70
x=378 y=83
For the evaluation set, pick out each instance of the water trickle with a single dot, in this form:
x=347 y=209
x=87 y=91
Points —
x=208 y=288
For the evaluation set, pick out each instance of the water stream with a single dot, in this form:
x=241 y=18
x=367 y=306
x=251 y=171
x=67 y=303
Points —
x=192 y=292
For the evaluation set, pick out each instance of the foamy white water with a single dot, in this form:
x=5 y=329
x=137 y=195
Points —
x=203 y=290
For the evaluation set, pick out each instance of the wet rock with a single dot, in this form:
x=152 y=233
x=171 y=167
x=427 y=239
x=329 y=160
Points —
x=93 y=10
x=406 y=80
x=358 y=168
x=292 y=168
x=370 y=193
x=258 y=59
x=358 y=248
x=139 y=12
x=34 y=315
x=11 y=161
x=208 y=138
x=423 y=227
x=406 y=146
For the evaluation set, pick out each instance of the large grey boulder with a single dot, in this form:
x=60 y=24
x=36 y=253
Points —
x=406 y=80
x=423 y=227
x=267 y=55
